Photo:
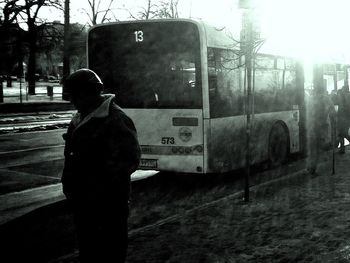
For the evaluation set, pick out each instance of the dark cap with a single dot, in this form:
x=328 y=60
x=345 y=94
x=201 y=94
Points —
x=83 y=80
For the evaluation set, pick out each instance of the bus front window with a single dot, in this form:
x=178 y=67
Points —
x=161 y=71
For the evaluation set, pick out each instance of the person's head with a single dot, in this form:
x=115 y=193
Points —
x=345 y=88
x=85 y=88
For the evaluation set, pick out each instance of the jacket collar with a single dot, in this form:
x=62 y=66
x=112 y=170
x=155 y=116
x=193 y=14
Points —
x=100 y=112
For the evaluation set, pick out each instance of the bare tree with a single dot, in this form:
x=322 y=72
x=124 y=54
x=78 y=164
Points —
x=11 y=35
x=10 y=11
x=95 y=11
x=27 y=11
x=30 y=16
x=161 y=9
x=168 y=9
x=148 y=12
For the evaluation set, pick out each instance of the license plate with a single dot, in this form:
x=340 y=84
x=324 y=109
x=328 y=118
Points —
x=148 y=163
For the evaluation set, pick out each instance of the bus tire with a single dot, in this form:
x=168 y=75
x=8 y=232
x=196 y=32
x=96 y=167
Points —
x=278 y=145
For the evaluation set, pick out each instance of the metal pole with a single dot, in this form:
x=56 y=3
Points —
x=20 y=89
x=247 y=43
x=27 y=91
x=333 y=144
x=1 y=91
x=335 y=136
x=66 y=53
x=248 y=64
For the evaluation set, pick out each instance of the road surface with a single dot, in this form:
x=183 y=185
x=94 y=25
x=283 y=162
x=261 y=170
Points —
x=30 y=170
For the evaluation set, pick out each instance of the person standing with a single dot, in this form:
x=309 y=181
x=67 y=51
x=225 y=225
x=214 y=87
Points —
x=101 y=152
x=343 y=116
x=321 y=115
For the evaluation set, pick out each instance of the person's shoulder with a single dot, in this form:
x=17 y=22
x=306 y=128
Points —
x=116 y=111
x=119 y=115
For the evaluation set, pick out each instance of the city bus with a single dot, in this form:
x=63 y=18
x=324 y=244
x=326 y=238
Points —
x=183 y=84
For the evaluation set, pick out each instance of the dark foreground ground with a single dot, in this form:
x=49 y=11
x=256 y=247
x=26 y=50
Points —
x=302 y=218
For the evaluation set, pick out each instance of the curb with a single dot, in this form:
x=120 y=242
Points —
x=35 y=107
x=31 y=199
x=16 y=204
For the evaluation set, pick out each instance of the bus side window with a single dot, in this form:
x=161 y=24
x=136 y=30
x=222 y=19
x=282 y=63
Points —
x=213 y=86
x=223 y=93
x=275 y=84
x=213 y=95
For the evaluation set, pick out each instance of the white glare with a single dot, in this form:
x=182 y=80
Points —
x=310 y=29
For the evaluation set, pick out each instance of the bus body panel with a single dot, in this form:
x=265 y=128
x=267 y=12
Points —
x=204 y=70
x=207 y=144
x=228 y=139
x=170 y=139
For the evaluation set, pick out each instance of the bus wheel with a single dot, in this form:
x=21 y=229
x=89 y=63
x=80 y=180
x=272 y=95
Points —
x=278 y=145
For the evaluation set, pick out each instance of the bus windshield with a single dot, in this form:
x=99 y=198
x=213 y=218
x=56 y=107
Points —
x=148 y=65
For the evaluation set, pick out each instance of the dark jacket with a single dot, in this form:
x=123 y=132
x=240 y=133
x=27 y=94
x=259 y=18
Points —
x=344 y=109
x=100 y=152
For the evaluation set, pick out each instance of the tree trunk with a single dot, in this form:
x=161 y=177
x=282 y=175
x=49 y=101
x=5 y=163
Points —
x=32 y=59
x=66 y=53
x=19 y=47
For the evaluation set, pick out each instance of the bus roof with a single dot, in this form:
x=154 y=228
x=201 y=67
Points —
x=216 y=37
x=219 y=37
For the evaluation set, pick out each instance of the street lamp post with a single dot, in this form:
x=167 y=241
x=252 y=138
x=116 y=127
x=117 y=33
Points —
x=247 y=45
x=1 y=90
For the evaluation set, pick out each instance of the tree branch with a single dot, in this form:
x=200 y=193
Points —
x=107 y=10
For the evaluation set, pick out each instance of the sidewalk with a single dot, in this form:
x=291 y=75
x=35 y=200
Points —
x=12 y=94
x=17 y=100
x=16 y=204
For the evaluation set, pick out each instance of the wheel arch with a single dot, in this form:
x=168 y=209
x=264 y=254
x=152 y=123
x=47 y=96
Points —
x=286 y=129
x=275 y=124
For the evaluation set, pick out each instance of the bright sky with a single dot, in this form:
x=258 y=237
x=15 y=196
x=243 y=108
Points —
x=310 y=29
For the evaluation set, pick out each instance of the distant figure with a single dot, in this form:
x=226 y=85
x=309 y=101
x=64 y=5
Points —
x=321 y=115
x=334 y=97
x=101 y=152
x=343 y=115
